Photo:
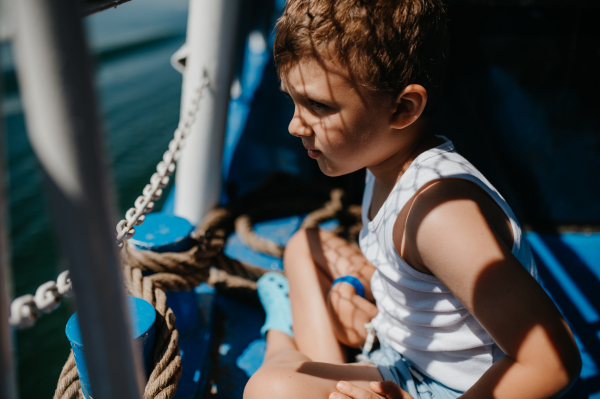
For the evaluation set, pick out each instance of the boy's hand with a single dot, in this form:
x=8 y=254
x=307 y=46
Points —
x=385 y=389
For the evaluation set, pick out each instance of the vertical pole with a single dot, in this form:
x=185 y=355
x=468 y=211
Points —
x=211 y=34
x=64 y=129
x=7 y=374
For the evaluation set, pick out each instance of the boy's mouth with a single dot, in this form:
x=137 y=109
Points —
x=314 y=154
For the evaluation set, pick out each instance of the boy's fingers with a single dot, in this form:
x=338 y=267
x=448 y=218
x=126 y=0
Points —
x=390 y=390
x=352 y=391
x=363 y=304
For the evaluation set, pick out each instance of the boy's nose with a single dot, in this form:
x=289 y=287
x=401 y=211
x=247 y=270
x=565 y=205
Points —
x=298 y=126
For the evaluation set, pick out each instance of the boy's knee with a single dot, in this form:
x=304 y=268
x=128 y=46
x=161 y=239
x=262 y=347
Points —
x=298 y=239
x=271 y=382
x=300 y=243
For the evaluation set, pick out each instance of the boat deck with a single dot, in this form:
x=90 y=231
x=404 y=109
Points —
x=220 y=357
x=569 y=264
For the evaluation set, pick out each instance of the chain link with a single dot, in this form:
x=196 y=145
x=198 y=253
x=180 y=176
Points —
x=165 y=168
x=25 y=309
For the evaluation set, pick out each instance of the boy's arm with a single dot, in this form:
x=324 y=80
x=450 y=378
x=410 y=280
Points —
x=447 y=234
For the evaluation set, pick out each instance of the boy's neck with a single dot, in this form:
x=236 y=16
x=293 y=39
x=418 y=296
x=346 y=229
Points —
x=416 y=139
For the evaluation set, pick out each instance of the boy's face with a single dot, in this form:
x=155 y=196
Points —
x=342 y=127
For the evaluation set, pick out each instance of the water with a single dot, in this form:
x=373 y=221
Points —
x=139 y=95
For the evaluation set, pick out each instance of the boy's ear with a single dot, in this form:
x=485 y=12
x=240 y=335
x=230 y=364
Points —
x=409 y=106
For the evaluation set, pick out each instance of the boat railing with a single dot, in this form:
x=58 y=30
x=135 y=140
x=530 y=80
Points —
x=210 y=42
x=64 y=129
x=7 y=374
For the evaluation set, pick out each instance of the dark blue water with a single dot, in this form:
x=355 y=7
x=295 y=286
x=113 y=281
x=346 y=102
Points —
x=139 y=95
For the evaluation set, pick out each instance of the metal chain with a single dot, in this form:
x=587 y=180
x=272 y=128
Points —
x=159 y=180
x=25 y=309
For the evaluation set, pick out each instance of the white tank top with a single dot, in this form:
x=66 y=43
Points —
x=418 y=316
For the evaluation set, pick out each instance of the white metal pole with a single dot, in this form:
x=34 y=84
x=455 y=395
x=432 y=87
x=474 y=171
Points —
x=211 y=34
x=7 y=373
x=64 y=129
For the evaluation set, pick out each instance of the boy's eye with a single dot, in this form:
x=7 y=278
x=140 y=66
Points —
x=316 y=106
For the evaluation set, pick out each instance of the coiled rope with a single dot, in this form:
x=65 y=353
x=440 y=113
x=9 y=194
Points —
x=206 y=262
x=186 y=270
x=171 y=272
x=173 y=275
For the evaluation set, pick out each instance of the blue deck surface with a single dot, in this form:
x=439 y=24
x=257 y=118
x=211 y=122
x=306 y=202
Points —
x=195 y=347
x=569 y=266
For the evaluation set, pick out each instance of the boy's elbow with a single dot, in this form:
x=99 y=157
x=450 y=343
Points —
x=568 y=369
x=572 y=367
x=566 y=362
x=556 y=366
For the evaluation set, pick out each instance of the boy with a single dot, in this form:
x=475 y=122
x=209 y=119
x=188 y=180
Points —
x=458 y=309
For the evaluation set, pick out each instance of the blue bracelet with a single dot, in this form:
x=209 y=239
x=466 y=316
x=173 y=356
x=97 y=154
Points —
x=353 y=281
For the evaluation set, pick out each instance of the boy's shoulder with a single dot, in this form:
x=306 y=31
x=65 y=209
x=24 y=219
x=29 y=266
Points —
x=443 y=212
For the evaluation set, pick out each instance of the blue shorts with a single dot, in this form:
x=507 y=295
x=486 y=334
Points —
x=395 y=367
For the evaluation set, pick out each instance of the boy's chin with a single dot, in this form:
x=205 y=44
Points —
x=332 y=170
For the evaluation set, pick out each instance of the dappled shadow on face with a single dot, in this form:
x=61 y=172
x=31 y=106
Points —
x=326 y=71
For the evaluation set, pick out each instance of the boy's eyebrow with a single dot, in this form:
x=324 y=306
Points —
x=311 y=96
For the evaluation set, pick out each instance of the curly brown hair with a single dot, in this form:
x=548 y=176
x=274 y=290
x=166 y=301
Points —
x=384 y=44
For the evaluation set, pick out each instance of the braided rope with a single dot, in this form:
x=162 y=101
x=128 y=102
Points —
x=204 y=262
x=163 y=380
x=162 y=383
x=243 y=225
x=172 y=272
x=243 y=228
x=328 y=212
x=68 y=382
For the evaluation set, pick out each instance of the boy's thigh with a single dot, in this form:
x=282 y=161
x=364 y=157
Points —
x=334 y=255
x=299 y=380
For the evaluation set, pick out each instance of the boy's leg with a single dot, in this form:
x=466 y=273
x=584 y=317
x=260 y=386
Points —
x=287 y=373
x=312 y=260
